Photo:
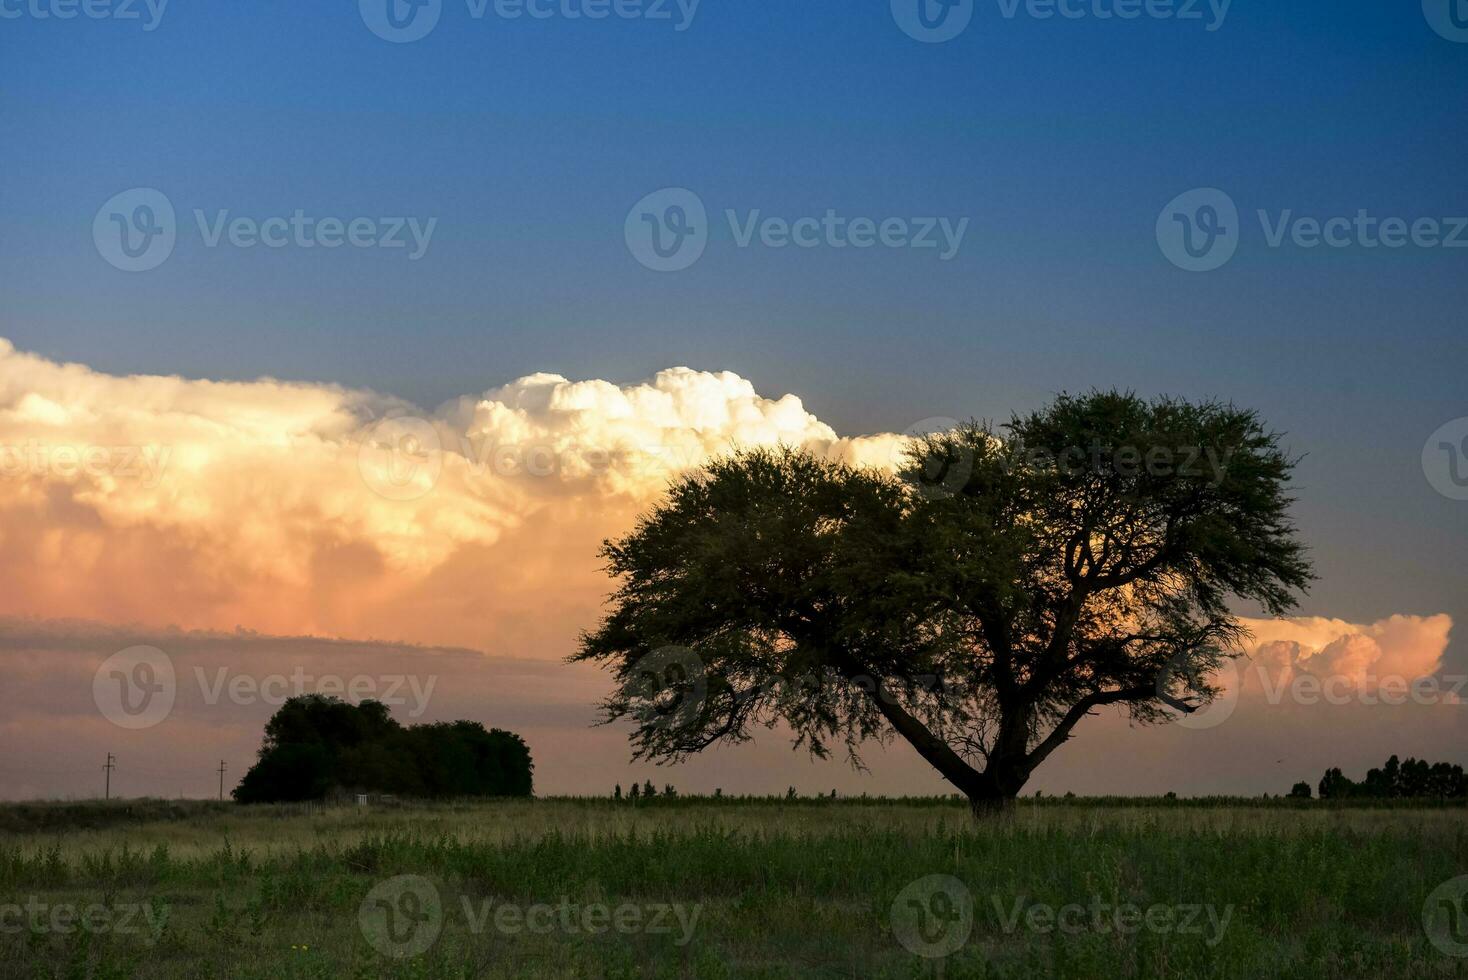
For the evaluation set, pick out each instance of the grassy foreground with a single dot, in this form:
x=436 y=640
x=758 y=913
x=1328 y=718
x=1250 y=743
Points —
x=704 y=888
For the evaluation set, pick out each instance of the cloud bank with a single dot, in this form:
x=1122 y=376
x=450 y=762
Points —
x=294 y=507
x=60 y=705
x=299 y=511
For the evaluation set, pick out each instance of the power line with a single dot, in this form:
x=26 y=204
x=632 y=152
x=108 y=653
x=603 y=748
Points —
x=111 y=764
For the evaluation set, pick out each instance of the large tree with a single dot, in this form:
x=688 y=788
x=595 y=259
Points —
x=979 y=604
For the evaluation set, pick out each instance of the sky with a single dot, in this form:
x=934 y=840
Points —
x=505 y=176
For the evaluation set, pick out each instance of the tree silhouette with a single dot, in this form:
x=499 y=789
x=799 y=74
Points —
x=315 y=745
x=978 y=605
x=1412 y=779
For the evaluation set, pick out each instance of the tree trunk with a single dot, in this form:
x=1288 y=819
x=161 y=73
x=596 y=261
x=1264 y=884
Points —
x=994 y=792
x=988 y=808
x=991 y=792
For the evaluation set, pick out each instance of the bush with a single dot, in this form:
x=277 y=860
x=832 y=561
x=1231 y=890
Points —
x=316 y=745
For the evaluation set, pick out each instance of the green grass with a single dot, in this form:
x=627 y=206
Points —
x=780 y=888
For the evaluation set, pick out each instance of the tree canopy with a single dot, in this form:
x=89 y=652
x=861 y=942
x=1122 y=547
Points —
x=1006 y=583
x=316 y=745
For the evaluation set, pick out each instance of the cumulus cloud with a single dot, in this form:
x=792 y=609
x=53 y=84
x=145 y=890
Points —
x=312 y=510
x=311 y=507
x=1364 y=658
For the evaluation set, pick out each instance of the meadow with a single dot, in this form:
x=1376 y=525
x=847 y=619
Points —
x=695 y=887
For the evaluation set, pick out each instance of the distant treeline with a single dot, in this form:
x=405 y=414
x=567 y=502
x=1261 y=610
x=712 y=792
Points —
x=317 y=746
x=1414 y=779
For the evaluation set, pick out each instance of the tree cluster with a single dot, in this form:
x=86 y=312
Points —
x=1413 y=779
x=316 y=746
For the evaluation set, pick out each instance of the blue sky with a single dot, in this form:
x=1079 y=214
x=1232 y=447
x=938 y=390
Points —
x=529 y=140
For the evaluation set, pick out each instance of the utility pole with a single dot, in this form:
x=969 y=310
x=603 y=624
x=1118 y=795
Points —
x=111 y=764
x=221 y=779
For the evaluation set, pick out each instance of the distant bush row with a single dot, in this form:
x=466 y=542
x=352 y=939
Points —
x=1414 y=779
x=317 y=746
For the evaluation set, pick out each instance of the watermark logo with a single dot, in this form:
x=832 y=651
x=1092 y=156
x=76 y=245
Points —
x=148 y=12
x=1126 y=10
x=1183 y=672
x=402 y=917
x=1121 y=919
x=144 y=465
x=544 y=919
x=935 y=477
x=933 y=21
x=933 y=916
x=1199 y=230
x=401 y=21
x=1445 y=917
x=412 y=691
x=405 y=21
x=667 y=230
x=401 y=458
x=40 y=918
x=136 y=230
x=1448 y=17
x=1445 y=459
x=138 y=688
x=135 y=688
x=668 y=688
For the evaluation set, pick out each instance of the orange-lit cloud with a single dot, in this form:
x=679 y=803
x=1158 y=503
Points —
x=294 y=509
x=313 y=508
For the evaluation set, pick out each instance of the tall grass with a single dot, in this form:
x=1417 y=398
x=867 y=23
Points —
x=782 y=889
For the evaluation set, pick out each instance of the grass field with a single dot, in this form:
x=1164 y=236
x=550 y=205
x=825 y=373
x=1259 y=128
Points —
x=731 y=888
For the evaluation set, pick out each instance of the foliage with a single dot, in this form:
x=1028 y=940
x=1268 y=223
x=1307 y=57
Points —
x=1413 y=779
x=979 y=605
x=316 y=745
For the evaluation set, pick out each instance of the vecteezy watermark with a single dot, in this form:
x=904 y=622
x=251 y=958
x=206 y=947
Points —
x=1448 y=17
x=1184 y=672
x=1113 y=918
x=935 y=21
x=668 y=230
x=1445 y=917
x=402 y=917
x=1369 y=689
x=936 y=476
x=1297 y=685
x=669 y=686
x=137 y=688
x=401 y=457
x=141 y=464
x=1200 y=230
x=1445 y=459
x=933 y=916
x=37 y=917
x=1208 y=463
x=405 y=21
x=136 y=231
x=148 y=13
